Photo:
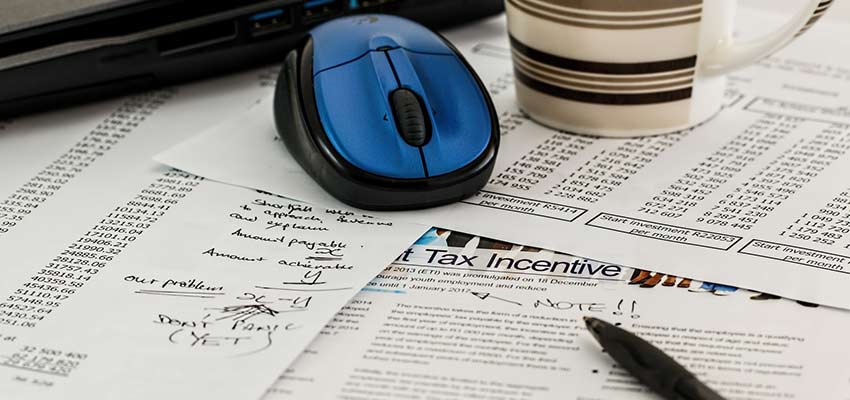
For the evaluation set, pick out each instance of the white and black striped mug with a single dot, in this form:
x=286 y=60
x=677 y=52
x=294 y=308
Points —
x=625 y=68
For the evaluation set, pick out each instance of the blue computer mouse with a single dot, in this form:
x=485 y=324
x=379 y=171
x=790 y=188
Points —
x=386 y=115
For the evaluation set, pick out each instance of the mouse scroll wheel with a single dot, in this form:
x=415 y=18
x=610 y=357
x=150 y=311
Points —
x=410 y=116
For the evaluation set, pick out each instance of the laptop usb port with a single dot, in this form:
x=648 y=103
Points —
x=269 y=21
x=318 y=9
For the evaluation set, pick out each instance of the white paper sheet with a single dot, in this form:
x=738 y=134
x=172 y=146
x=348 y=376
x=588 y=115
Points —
x=452 y=321
x=123 y=279
x=758 y=191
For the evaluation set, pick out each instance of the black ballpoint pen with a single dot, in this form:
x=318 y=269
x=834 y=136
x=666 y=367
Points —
x=649 y=364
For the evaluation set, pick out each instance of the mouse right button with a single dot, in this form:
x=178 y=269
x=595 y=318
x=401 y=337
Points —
x=461 y=122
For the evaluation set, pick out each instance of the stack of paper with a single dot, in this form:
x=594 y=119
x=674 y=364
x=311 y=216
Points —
x=125 y=278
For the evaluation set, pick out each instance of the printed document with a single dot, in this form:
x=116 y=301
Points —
x=457 y=317
x=757 y=197
x=123 y=279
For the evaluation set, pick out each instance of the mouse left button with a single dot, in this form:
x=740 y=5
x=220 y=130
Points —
x=353 y=103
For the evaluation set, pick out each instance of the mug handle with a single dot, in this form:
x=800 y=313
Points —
x=729 y=55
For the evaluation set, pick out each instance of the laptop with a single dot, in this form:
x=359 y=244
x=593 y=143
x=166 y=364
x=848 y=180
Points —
x=61 y=52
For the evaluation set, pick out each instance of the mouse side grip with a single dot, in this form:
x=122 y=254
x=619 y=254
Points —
x=292 y=125
x=288 y=112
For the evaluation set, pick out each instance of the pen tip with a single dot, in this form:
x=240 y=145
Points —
x=594 y=326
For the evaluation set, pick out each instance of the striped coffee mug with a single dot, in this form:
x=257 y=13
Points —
x=625 y=68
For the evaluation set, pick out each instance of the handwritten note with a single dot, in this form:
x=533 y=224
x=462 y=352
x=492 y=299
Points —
x=224 y=288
